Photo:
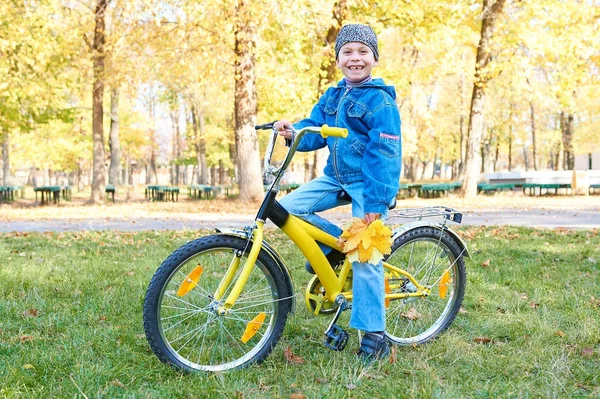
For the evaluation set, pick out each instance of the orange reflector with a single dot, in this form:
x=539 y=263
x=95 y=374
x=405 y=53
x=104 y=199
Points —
x=388 y=290
x=190 y=281
x=444 y=284
x=253 y=326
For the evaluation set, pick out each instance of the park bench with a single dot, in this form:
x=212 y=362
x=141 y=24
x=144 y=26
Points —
x=488 y=188
x=161 y=193
x=52 y=192
x=533 y=189
x=9 y=193
x=593 y=188
x=437 y=189
x=199 y=191
x=407 y=190
x=110 y=190
x=288 y=188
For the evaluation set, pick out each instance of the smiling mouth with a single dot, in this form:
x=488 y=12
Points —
x=356 y=68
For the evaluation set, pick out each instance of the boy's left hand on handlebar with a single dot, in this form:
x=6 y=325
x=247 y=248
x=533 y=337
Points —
x=284 y=128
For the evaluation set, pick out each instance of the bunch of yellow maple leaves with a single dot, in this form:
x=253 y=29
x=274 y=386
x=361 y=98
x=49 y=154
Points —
x=364 y=242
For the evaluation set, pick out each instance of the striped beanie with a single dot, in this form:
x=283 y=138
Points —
x=357 y=33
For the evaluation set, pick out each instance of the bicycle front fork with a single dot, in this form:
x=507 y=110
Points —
x=257 y=239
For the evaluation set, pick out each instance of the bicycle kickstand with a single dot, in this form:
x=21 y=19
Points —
x=335 y=336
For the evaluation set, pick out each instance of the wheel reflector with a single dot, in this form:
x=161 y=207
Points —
x=388 y=290
x=444 y=284
x=190 y=281
x=253 y=326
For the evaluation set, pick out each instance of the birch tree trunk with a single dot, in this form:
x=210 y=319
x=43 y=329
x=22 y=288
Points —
x=533 y=139
x=245 y=104
x=98 y=169
x=113 y=140
x=476 y=122
x=200 y=145
x=567 y=140
x=5 y=158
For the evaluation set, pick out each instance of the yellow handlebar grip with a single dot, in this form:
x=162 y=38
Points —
x=327 y=131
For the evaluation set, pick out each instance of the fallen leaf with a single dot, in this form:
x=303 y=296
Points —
x=118 y=383
x=560 y=334
x=486 y=263
x=351 y=386
x=462 y=310
x=587 y=352
x=102 y=318
x=412 y=314
x=25 y=338
x=130 y=273
x=482 y=340
x=28 y=366
x=524 y=296
x=297 y=395
x=533 y=305
x=393 y=355
x=30 y=313
x=290 y=357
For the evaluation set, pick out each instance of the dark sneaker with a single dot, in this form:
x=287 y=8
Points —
x=373 y=346
x=334 y=257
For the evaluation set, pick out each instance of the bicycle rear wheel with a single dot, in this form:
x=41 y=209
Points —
x=181 y=320
x=436 y=261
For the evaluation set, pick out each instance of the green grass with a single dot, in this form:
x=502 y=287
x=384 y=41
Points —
x=71 y=325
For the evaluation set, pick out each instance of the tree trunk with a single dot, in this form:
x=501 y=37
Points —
x=153 y=144
x=5 y=158
x=463 y=134
x=113 y=140
x=533 y=140
x=176 y=146
x=245 y=104
x=98 y=171
x=328 y=73
x=473 y=159
x=567 y=140
x=200 y=144
x=496 y=154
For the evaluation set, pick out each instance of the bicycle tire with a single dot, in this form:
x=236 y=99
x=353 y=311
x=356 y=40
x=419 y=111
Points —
x=188 y=333
x=426 y=253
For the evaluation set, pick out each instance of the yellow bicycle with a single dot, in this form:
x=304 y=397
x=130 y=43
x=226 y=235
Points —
x=221 y=302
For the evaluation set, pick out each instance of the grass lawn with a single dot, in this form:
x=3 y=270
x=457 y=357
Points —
x=71 y=325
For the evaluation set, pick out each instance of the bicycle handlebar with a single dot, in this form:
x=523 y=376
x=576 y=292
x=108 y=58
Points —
x=325 y=131
x=328 y=131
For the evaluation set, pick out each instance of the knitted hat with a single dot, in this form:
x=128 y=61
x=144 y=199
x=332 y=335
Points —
x=356 y=33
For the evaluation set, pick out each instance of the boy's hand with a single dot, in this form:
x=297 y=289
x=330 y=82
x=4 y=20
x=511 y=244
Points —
x=285 y=128
x=371 y=217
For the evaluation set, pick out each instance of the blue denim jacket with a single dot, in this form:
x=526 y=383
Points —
x=372 y=152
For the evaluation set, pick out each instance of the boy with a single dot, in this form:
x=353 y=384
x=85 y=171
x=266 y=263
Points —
x=365 y=166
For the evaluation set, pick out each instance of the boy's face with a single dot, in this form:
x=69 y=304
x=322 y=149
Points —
x=356 y=61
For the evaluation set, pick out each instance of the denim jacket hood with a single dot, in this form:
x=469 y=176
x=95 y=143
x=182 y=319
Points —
x=372 y=151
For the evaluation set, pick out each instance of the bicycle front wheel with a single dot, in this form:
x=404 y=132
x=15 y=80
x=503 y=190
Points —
x=436 y=261
x=181 y=317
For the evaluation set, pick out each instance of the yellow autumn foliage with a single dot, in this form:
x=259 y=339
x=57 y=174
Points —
x=364 y=242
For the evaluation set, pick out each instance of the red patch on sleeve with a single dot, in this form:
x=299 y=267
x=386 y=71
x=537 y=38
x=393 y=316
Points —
x=389 y=136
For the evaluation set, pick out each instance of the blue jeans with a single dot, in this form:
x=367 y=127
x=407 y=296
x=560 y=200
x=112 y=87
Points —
x=320 y=194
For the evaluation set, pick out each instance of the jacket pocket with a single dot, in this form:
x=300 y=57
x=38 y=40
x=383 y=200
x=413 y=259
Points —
x=357 y=110
x=389 y=145
x=330 y=106
x=357 y=147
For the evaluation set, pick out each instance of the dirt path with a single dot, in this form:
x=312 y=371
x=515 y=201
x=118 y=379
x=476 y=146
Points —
x=547 y=218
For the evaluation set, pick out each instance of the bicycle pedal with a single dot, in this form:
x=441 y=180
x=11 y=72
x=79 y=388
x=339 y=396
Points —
x=336 y=338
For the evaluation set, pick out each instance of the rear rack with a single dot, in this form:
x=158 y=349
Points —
x=430 y=211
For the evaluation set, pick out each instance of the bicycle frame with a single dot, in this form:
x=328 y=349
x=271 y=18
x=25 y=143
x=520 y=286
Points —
x=304 y=235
